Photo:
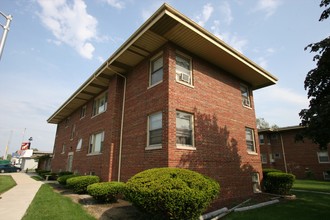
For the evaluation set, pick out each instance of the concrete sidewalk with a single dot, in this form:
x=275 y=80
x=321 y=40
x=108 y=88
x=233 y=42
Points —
x=16 y=201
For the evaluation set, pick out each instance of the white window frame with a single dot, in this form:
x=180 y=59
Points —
x=256 y=182
x=254 y=150
x=73 y=131
x=326 y=175
x=245 y=93
x=151 y=71
x=192 y=128
x=97 y=105
x=181 y=72
x=83 y=111
x=92 y=143
x=264 y=158
x=157 y=145
x=79 y=144
x=63 y=149
x=325 y=154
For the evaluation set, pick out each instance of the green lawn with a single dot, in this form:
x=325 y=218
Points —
x=6 y=183
x=312 y=185
x=307 y=206
x=48 y=204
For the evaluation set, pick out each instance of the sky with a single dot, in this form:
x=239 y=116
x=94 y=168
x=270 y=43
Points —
x=53 y=46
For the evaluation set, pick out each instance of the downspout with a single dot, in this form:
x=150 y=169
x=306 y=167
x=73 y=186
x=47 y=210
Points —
x=284 y=159
x=121 y=123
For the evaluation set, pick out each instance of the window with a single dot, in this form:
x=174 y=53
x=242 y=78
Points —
x=73 y=130
x=156 y=70
x=184 y=129
x=277 y=156
x=100 y=104
x=83 y=111
x=323 y=157
x=326 y=175
x=271 y=158
x=96 y=143
x=63 y=149
x=249 y=134
x=245 y=96
x=155 y=128
x=261 y=139
x=256 y=182
x=79 y=145
x=183 y=69
x=264 y=158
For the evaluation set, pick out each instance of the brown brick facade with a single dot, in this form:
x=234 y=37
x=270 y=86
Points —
x=300 y=157
x=220 y=120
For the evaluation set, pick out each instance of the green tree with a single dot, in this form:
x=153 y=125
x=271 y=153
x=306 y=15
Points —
x=316 y=118
x=263 y=124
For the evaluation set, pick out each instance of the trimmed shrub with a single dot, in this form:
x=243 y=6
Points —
x=269 y=170
x=79 y=184
x=62 y=179
x=63 y=173
x=278 y=183
x=171 y=193
x=106 y=191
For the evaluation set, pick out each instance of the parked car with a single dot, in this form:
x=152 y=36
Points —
x=6 y=168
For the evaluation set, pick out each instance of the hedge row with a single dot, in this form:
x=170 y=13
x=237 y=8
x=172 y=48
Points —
x=164 y=193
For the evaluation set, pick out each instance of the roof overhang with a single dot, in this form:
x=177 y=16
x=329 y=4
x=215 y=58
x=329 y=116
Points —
x=166 y=25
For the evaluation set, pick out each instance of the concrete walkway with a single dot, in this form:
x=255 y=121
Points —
x=16 y=201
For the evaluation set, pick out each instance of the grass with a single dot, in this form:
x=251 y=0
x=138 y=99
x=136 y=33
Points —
x=308 y=205
x=37 y=178
x=48 y=204
x=6 y=183
x=312 y=185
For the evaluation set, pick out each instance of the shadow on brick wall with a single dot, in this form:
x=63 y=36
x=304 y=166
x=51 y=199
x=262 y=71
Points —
x=217 y=156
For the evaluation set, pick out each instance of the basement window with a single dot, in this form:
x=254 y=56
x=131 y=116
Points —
x=323 y=157
x=256 y=183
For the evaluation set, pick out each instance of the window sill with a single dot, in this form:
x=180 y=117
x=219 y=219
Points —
x=153 y=147
x=94 y=154
x=93 y=116
x=185 y=147
x=252 y=153
x=151 y=86
x=324 y=162
x=248 y=107
x=185 y=84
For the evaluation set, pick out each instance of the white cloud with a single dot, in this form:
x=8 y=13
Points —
x=202 y=18
x=263 y=59
x=225 y=12
x=232 y=40
x=147 y=12
x=116 y=4
x=267 y=6
x=70 y=24
x=279 y=105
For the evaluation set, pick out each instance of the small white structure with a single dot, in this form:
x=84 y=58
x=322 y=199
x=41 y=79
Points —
x=27 y=162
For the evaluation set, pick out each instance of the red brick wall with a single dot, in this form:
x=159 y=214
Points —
x=109 y=121
x=219 y=119
x=301 y=157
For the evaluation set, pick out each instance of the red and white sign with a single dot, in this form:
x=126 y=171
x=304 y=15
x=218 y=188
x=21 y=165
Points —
x=25 y=146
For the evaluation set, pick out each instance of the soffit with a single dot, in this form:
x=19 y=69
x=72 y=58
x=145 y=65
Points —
x=165 y=25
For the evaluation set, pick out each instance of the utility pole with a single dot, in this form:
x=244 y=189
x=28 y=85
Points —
x=5 y=31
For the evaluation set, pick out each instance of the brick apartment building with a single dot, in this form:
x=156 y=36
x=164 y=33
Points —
x=304 y=159
x=173 y=95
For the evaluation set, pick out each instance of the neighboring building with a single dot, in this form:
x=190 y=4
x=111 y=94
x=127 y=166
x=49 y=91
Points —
x=304 y=159
x=173 y=95
x=31 y=160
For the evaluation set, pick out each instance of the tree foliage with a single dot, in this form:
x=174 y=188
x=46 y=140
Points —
x=316 y=118
x=263 y=124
